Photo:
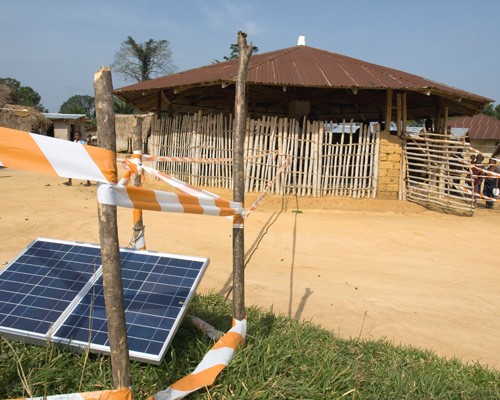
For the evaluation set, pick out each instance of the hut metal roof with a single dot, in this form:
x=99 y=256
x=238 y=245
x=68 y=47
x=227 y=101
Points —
x=64 y=117
x=481 y=126
x=298 y=67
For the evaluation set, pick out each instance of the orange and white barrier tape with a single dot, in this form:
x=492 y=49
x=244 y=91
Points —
x=212 y=364
x=281 y=169
x=137 y=167
x=217 y=358
x=484 y=155
x=37 y=153
x=479 y=195
x=488 y=172
x=155 y=200
x=211 y=160
x=57 y=157
x=118 y=394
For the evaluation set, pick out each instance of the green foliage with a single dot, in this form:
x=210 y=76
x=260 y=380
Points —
x=121 y=107
x=491 y=111
x=24 y=95
x=234 y=53
x=79 y=104
x=283 y=359
x=143 y=61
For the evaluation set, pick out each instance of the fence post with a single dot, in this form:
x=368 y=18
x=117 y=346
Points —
x=108 y=236
x=240 y=105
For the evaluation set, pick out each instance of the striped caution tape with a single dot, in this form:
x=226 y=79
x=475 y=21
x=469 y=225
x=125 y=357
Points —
x=268 y=187
x=37 y=153
x=485 y=171
x=155 y=200
x=134 y=165
x=478 y=195
x=118 y=394
x=212 y=364
x=484 y=155
x=57 y=157
x=217 y=358
x=211 y=160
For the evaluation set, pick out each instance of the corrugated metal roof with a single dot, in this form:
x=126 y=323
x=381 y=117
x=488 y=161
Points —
x=304 y=66
x=481 y=126
x=60 y=116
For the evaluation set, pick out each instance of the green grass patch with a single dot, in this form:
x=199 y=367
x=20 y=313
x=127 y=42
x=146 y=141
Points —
x=283 y=359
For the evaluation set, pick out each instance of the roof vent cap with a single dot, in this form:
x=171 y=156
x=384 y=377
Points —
x=301 y=41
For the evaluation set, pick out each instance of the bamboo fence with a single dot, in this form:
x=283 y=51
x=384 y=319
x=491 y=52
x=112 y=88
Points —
x=322 y=161
x=438 y=173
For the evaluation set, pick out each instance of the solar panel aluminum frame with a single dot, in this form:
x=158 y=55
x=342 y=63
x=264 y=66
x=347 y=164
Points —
x=77 y=345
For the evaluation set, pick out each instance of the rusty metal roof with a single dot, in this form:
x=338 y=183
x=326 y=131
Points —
x=304 y=66
x=481 y=126
x=337 y=87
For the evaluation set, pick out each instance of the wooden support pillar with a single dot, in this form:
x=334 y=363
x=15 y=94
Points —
x=445 y=120
x=158 y=104
x=399 y=113
x=388 y=110
x=108 y=236
x=438 y=123
x=240 y=111
x=405 y=113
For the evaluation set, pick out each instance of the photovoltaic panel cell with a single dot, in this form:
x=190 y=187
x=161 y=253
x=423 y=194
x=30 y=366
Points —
x=41 y=283
x=157 y=290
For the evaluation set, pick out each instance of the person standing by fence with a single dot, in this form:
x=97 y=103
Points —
x=477 y=174
x=490 y=183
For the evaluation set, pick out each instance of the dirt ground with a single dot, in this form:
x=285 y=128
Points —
x=361 y=268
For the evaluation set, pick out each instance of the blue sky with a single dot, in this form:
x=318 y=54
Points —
x=55 y=46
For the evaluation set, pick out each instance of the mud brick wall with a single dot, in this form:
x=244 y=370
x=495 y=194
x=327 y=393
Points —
x=389 y=166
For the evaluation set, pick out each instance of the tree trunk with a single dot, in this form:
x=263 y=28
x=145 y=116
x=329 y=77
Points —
x=108 y=235
x=240 y=110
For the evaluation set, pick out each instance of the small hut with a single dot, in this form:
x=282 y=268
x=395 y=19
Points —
x=65 y=125
x=24 y=118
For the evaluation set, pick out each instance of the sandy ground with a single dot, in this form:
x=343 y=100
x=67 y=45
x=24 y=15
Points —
x=361 y=268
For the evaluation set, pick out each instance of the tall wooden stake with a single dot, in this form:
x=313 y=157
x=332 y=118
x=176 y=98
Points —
x=108 y=236
x=139 y=240
x=240 y=111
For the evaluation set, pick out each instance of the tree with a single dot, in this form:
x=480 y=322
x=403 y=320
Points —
x=234 y=54
x=143 y=61
x=24 y=95
x=492 y=112
x=79 y=104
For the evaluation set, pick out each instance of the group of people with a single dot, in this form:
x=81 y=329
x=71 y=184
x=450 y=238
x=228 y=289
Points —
x=77 y=138
x=485 y=178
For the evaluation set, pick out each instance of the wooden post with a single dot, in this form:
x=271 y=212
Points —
x=240 y=105
x=138 y=237
x=399 y=113
x=108 y=235
x=388 y=110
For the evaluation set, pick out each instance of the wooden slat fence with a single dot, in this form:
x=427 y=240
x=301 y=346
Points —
x=325 y=159
x=438 y=173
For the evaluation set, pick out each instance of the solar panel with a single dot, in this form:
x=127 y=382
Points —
x=53 y=291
